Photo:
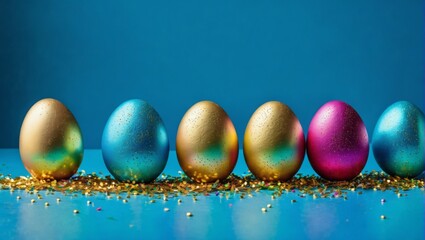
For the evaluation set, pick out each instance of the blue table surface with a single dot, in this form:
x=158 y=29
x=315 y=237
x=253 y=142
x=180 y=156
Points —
x=214 y=217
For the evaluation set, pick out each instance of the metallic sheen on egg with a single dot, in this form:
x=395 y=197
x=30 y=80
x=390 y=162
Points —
x=337 y=142
x=207 y=143
x=50 y=142
x=274 y=143
x=135 y=143
x=398 y=142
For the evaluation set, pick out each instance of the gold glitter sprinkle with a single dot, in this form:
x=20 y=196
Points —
x=179 y=201
x=125 y=201
x=32 y=200
x=18 y=197
x=46 y=204
x=269 y=206
x=166 y=209
x=89 y=202
x=264 y=209
x=172 y=186
x=383 y=217
x=58 y=199
x=189 y=214
x=293 y=201
x=76 y=211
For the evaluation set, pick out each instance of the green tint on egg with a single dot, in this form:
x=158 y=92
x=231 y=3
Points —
x=207 y=143
x=135 y=143
x=50 y=142
x=274 y=143
x=399 y=140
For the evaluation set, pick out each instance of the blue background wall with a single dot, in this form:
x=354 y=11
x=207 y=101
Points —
x=93 y=55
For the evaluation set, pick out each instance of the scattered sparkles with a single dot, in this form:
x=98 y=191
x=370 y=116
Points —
x=242 y=186
x=264 y=210
x=76 y=211
x=166 y=209
x=189 y=214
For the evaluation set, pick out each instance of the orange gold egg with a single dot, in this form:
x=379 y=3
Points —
x=274 y=145
x=50 y=142
x=207 y=143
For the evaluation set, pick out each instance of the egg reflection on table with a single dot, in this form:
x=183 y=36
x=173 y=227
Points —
x=207 y=143
x=337 y=142
x=50 y=142
x=274 y=144
x=135 y=143
x=398 y=142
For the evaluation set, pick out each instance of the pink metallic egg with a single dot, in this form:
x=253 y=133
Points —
x=337 y=142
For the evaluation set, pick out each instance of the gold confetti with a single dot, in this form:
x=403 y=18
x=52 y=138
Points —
x=243 y=186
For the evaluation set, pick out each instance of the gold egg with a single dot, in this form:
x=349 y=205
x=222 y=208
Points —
x=207 y=143
x=50 y=142
x=274 y=143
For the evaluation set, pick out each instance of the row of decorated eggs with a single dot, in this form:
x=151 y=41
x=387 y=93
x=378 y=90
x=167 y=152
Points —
x=135 y=144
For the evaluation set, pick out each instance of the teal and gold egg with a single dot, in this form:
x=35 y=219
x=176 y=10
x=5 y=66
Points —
x=207 y=143
x=399 y=140
x=135 y=143
x=274 y=144
x=50 y=142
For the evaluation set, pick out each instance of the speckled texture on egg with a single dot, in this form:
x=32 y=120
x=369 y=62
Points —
x=135 y=143
x=274 y=143
x=207 y=143
x=399 y=140
x=337 y=142
x=50 y=142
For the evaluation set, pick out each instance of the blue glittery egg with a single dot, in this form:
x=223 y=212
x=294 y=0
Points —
x=134 y=143
x=399 y=140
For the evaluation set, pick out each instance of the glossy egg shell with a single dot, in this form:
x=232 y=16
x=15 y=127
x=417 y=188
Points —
x=398 y=142
x=135 y=144
x=274 y=143
x=50 y=142
x=337 y=142
x=207 y=143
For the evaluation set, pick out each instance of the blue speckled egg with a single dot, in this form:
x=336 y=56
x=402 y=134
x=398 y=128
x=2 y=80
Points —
x=399 y=140
x=134 y=143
